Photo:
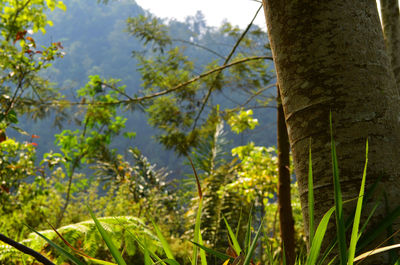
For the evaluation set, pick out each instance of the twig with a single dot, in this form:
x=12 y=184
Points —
x=167 y=91
x=225 y=63
x=200 y=46
x=39 y=257
x=116 y=89
x=15 y=96
x=256 y=94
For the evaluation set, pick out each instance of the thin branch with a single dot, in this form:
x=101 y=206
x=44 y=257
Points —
x=167 y=91
x=257 y=93
x=225 y=63
x=251 y=107
x=16 y=15
x=116 y=89
x=15 y=96
x=184 y=84
x=39 y=257
x=36 y=92
x=200 y=46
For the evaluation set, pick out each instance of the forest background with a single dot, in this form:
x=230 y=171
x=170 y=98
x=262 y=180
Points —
x=156 y=121
x=84 y=123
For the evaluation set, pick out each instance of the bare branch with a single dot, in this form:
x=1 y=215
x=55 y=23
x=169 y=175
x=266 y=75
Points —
x=257 y=93
x=39 y=257
x=167 y=91
x=200 y=46
x=225 y=63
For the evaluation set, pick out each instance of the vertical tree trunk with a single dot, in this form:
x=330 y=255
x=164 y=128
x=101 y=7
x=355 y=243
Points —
x=391 y=29
x=286 y=222
x=330 y=56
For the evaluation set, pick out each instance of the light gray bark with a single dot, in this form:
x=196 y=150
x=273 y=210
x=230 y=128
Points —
x=330 y=56
x=391 y=29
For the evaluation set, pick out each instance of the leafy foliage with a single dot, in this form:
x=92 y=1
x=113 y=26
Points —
x=84 y=236
x=188 y=110
x=21 y=60
x=179 y=109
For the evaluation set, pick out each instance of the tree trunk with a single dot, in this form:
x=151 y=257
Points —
x=286 y=222
x=330 y=56
x=391 y=29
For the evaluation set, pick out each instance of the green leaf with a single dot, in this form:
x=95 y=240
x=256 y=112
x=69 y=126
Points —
x=147 y=258
x=235 y=242
x=145 y=249
x=129 y=135
x=253 y=246
x=101 y=262
x=164 y=242
x=239 y=223
x=340 y=227
x=310 y=197
x=197 y=231
x=380 y=228
x=218 y=254
x=171 y=262
x=318 y=237
x=107 y=239
x=247 y=239
x=357 y=217
x=367 y=220
x=12 y=117
x=61 y=6
x=202 y=252
x=59 y=249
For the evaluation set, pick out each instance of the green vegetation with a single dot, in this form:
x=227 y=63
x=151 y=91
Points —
x=88 y=190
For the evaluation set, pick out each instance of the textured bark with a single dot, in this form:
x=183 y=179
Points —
x=286 y=222
x=391 y=29
x=330 y=56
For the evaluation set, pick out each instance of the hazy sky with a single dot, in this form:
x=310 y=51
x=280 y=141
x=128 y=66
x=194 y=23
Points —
x=237 y=12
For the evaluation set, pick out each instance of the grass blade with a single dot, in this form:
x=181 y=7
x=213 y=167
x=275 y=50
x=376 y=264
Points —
x=101 y=262
x=79 y=252
x=367 y=221
x=250 y=252
x=145 y=249
x=147 y=259
x=171 y=262
x=380 y=228
x=340 y=227
x=113 y=249
x=146 y=254
x=247 y=239
x=327 y=252
x=318 y=237
x=310 y=198
x=164 y=242
x=239 y=223
x=197 y=231
x=59 y=249
x=202 y=252
x=376 y=251
x=350 y=218
x=235 y=242
x=220 y=255
x=357 y=217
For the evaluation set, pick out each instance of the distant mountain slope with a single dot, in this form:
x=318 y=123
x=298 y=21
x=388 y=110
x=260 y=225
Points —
x=95 y=44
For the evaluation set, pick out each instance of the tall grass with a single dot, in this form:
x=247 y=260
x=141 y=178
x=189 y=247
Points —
x=242 y=254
